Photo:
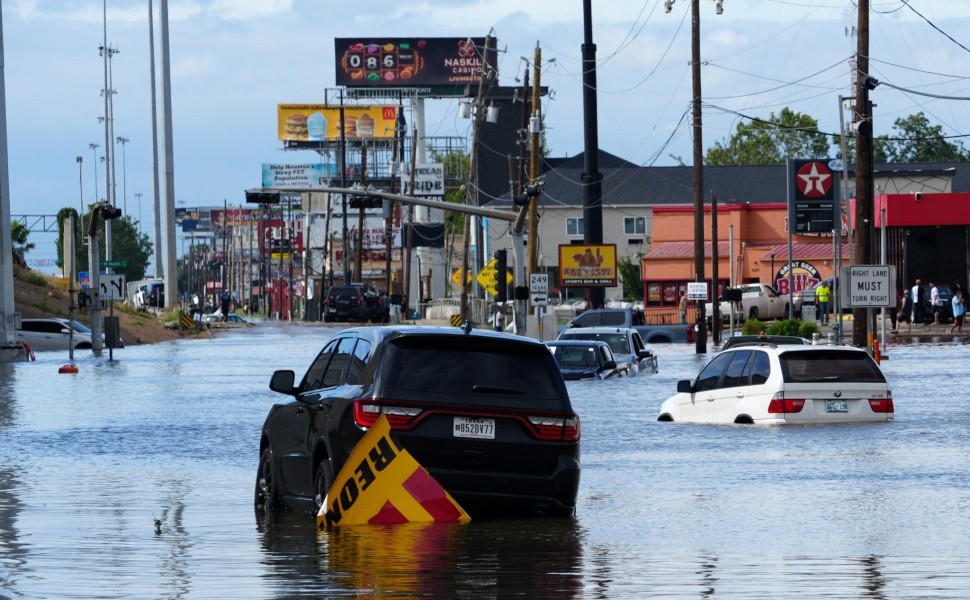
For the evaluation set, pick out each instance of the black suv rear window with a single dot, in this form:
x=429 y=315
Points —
x=341 y=290
x=464 y=365
x=830 y=365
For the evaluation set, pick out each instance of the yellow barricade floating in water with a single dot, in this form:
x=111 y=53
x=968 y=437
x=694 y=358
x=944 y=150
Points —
x=381 y=483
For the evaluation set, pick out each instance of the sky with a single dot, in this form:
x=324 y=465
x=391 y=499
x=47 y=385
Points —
x=233 y=61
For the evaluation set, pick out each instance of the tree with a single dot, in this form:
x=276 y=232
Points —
x=19 y=235
x=631 y=279
x=771 y=141
x=916 y=141
x=456 y=165
x=126 y=244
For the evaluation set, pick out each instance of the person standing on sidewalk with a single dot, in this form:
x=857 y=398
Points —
x=935 y=304
x=822 y=297
x=959 y=309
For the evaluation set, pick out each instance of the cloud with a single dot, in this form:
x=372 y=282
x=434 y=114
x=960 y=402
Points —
x=248 y=9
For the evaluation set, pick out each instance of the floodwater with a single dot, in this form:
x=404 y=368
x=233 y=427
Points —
x=134 y=479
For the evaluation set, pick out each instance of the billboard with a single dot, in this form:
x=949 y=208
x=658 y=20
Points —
x=408 y=62
x=298 y=176
x=321 y=122
x=585 y=265
x=429 y=179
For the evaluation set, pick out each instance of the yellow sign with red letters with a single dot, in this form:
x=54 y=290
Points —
x=381 y=483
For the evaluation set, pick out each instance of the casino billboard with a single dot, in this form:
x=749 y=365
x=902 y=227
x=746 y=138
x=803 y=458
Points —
x=408 y=62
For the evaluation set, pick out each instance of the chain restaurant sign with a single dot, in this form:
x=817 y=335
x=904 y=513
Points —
x=382 y=484
x=804 y=276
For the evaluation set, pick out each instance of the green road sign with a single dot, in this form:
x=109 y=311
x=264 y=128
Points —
x=114 y=264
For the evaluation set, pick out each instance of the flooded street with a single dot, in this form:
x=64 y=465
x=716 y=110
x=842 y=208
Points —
x=134 y=479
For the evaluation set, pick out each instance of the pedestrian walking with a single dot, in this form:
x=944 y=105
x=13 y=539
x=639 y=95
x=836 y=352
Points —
x=936 y=305
x=905 y=312
x=682 y=307
x=918 y=296
x=959 y=309
x=823 y=296
x=499 y=318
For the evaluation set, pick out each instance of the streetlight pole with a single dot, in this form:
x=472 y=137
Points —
x=124 y=174
x=94 y=167
x=138 y=196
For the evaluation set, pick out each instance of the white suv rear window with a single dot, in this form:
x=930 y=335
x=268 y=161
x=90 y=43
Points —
x=830 y=365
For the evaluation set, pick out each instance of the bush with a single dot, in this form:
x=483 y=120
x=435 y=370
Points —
x=807 y=329
x=796 y=327
x=752 y=327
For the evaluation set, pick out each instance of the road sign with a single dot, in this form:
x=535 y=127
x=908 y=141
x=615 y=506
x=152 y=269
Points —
x=456 y=277
x=697 y=290
x=487 y=278
x=539 y=289
x=112 y=287
x=114 y=264
x=871 y=286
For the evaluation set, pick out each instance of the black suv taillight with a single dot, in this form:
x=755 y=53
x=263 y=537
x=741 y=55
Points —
x=547 y=427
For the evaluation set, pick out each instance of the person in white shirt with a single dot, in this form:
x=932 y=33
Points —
x=935 y=304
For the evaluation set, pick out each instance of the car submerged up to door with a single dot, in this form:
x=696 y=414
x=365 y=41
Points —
x=487 y=414
x=784 y=384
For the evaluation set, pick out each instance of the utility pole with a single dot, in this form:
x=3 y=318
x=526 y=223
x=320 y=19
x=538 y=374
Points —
x=700 y=338
x=715 y=302
x=695 y=68
x=592 y=178
x=534 y=152
x=471 y=187
x=861 y=336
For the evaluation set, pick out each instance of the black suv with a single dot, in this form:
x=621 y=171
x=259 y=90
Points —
x=355 y=302
x=521 y=459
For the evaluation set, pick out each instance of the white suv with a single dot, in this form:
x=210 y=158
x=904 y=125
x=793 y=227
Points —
x=784 y=384
x=55 y=334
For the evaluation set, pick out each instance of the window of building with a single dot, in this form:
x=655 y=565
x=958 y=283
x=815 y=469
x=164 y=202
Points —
x=635 y=225
x=574 y=226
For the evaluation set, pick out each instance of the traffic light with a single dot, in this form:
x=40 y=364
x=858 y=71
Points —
x=263 y=196
x=501 y=268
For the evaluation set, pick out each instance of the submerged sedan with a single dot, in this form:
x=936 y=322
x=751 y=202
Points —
x=585 y=359
x=625 y=342
x=784 y=384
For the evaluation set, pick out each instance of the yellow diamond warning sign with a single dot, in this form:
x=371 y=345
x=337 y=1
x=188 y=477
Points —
x=488 y=278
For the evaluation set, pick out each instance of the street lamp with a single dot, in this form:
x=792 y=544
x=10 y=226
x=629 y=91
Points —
x=124 y=183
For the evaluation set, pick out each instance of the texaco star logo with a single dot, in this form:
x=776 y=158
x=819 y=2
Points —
x=814 y=180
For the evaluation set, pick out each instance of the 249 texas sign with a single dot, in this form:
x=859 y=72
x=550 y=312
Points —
x=812 y=196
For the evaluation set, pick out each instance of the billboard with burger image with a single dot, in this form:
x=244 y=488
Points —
x=321 y=122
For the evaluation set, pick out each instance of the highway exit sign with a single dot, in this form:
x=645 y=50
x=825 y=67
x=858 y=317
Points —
x=114 y=264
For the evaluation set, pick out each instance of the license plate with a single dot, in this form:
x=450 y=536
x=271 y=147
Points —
x=482 y=429
x=836 y=406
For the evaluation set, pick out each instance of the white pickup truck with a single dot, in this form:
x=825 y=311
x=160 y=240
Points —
x=758 y=301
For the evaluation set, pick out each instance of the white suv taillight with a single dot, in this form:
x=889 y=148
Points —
x=882 y=405
x=780 y=405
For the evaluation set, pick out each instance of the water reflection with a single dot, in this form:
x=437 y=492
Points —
x=489 y=559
